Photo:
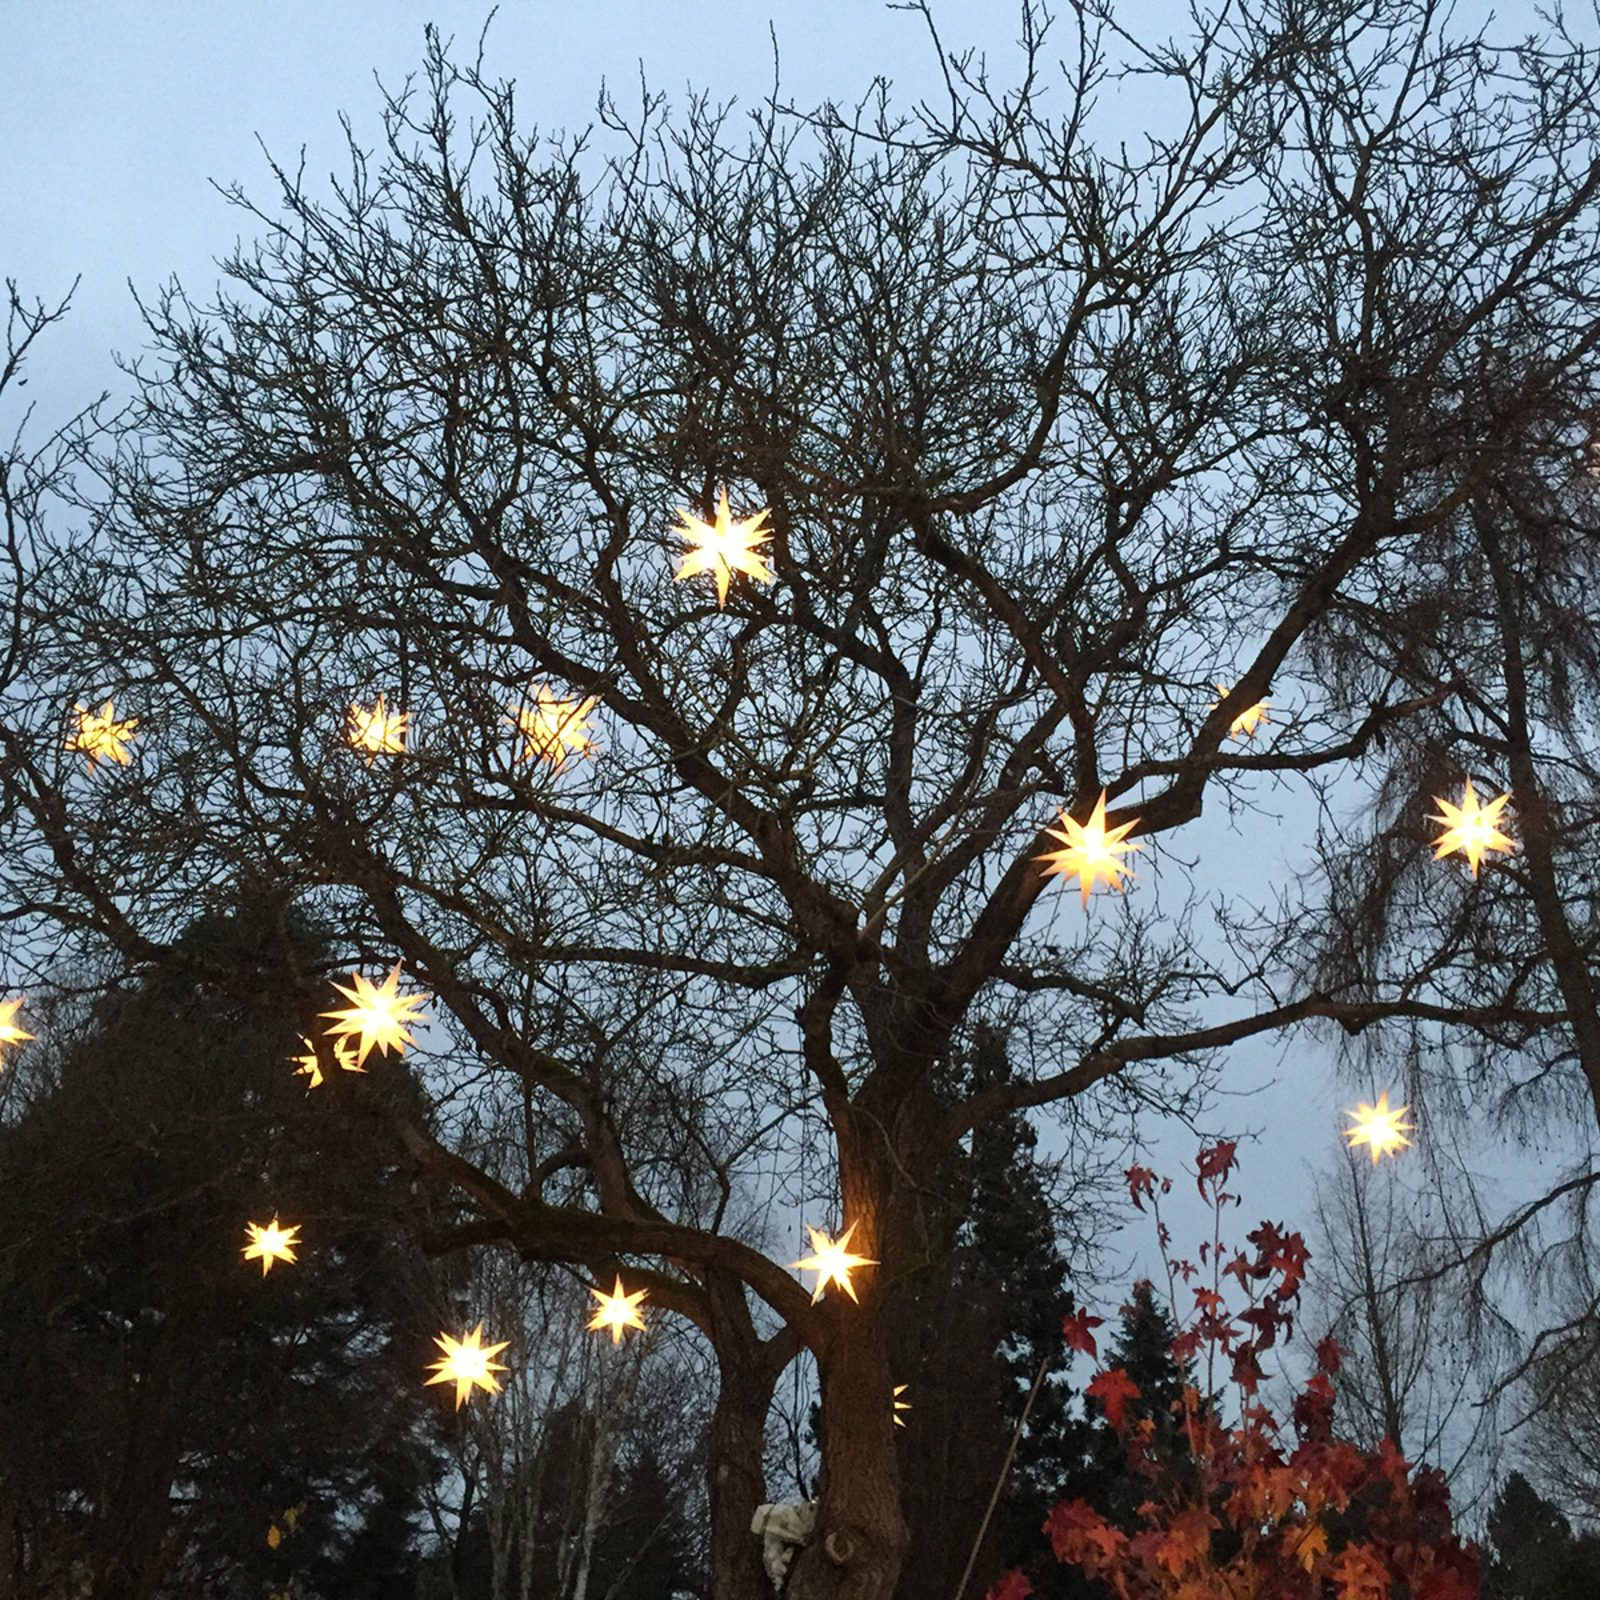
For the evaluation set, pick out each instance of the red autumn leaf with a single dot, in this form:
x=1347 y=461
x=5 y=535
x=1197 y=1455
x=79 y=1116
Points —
x=1358 y=1574
x=1215 y=1163
x=1009 y=1586
x=1113 y=1389
x=1329 y=1354
x=1076 y=1331
x=1141 y=1180
x=1242 y=1268
x=1281 y=1252
x=1081 y=1537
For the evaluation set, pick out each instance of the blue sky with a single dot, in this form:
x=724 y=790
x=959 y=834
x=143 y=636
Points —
x=115 y=120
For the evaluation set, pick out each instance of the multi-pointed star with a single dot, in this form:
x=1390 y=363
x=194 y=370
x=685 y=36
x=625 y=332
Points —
x=832 y=1261
x=1091 y=851
x=307 y=1064
x=270 y=1243
x=1470 y=827
x=376 y=731
x=1379 y=1128
x=11 y=1032
x=469 y=1364
x=377 y=1018
x=553 y=728
x=617 y=1310
x=724 y=547
x=100 y=736
x=1245 y=724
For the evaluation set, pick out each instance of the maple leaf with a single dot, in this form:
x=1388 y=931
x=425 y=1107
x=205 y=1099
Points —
x=1358 y=1574
x=1113 y=1388
x=1081 y=1537
x=1009 y=1586
x=1075 y=1330
x=1281 y=1252
x=1313 y=1542
x=724 y=547
x=1215 y=1163
x=1091 y=851
x=1141 y=1180
x=1329 y=1354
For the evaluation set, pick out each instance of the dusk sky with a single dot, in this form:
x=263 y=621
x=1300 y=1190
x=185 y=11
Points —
x=117 y=118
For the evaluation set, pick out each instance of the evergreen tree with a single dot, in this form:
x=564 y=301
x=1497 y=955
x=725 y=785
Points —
x=1533 y=1554
x=173 y=1421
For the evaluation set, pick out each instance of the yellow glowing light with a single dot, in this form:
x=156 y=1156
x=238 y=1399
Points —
x=101 y=737
x=377 y=1020
x=10 y=1031
x=724 y=547
x=377 y=731
x=900 y=1405
x=1470 y=827
x=617 y=1310
x=469 y=1364
x=1091 y=852
x=551 y=728
x=832 y=1262
x=306 y=1065
x=270 y=1243
x=1245 y=724
x=1379 y=1128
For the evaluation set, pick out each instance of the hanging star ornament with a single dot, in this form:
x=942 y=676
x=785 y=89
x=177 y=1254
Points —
x=270 y=1243
x=1379 y=1128
x=1091 y=852
x=11 y=1032
x=100 y=737
x=724 y=547
x=469 y=1364
x=553 y=728
x=617 y=1310
x=832 y=1262
x=1470 y=827
x=900 y=1405
x=377 y=1019
x=1245 y=724
x=308 y=1065
x=376 y=731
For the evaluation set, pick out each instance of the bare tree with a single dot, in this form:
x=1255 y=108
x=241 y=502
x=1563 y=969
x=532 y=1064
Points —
x=1054 y=435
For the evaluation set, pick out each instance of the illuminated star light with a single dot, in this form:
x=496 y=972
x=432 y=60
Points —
x=10 y=1031
x=724 y=547
x=270 y=1243
x=1091 y=852
x=617 y=1310
x=1470 y=827
x=832 y=1262
x=469 y=1364
x=309 y=1066
x=900 y=1405
x=1245 y=724
x=378 y=1017
x=551 y=728
x=101 y=737
x=1379 y=1128
x=377 y=731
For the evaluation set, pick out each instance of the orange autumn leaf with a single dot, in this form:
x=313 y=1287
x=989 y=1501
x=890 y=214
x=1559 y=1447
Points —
x=1313 y=1542
x=1113 y=1389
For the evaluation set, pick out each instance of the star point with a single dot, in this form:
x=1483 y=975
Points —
x=724 y=547
x=1091 y=851
x=11 y=1031
x=832 y=1261
x=469 y=1364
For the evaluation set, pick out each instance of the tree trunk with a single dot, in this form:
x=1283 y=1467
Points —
x=860 y=1540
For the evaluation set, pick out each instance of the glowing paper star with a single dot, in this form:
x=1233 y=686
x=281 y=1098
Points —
x=270 y=1244
x=101 y=737
x=10 y=1033
x=308 y=1066
x=900 y=1405
x=832 y=1262
x=550 y=728
x=1379 y=1128
x=617 y=1311
x=377 y=731
x=1091 y=853
x=469 y=1364
x=1245 y=724
x=1470 y=827
x=377 y=1020
x=724 y=547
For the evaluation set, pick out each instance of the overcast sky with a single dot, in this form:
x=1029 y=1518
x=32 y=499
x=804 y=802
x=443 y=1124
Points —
x=116 y=118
